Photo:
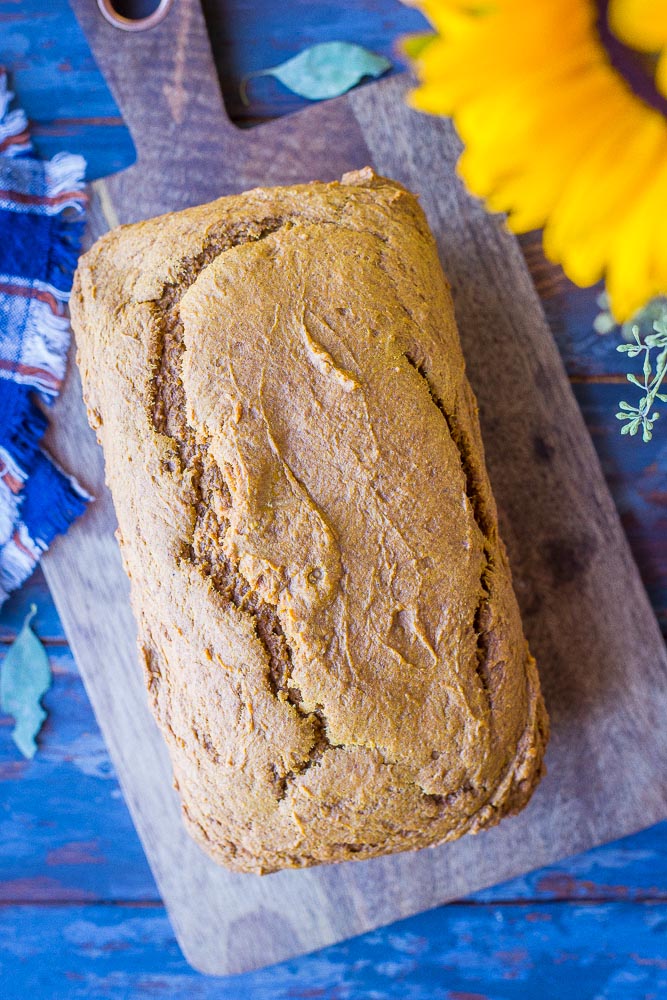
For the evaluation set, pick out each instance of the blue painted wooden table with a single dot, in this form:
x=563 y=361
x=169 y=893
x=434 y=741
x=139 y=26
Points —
x=80 y=915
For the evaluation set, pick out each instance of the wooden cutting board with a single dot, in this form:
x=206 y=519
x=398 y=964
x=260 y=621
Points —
x=602 y=659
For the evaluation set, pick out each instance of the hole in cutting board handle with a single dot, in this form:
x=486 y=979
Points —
x=134 y=15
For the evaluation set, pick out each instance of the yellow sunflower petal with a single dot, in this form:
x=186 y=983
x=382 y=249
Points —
x=552 y=133
x=640 y=23
x=601 y=191
x=456 y=72
x=528 y=183
x=629 y=280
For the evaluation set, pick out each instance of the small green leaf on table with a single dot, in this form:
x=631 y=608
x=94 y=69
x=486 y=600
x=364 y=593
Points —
x=25 y=679
x=323 y=71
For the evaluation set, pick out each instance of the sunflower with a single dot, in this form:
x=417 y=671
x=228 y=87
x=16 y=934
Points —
x=560 y=105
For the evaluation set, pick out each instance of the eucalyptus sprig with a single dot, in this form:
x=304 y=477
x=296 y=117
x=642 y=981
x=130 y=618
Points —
x=654 y=370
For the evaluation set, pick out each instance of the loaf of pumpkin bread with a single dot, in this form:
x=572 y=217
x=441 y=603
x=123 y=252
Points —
x=331 y=641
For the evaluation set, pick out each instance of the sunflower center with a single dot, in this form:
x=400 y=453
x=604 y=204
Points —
x=636 y=68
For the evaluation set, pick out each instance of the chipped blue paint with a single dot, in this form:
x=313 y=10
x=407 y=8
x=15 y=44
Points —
x=56 y=79
x=615 y=951
x=584 y=351
x=46 y=622
x=65 y=832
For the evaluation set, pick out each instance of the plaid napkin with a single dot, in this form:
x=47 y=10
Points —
x=41 y=224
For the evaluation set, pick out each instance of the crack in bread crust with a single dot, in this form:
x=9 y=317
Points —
x=483 y=520
x=211 y=498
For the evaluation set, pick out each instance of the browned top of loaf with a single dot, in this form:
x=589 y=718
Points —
x=332 y=643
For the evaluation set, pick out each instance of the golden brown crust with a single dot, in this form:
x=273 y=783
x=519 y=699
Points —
x=332 y=645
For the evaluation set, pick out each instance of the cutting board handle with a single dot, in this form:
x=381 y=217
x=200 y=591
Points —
x=167 y=88
x=142 y=22
x=165 y=83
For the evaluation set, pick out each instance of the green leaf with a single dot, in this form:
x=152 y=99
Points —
x=647 y=367
x=26 y=677
x=325 y=70
x=650 y=322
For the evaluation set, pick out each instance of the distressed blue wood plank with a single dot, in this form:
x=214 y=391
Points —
x=103 y=143
x=589 y=952
x=60 y=87
x=65 y=832
x=571 y=314
x=250 y=36
x=585 y=353
x=47 y=623
x=634 y=868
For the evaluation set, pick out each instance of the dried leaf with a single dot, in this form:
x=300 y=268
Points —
x=325 y=70
x=26 y=677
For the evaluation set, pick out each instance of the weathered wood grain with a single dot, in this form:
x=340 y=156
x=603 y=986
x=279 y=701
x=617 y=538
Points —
x=602 y=658
x=637 y=478
x=612 y=951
